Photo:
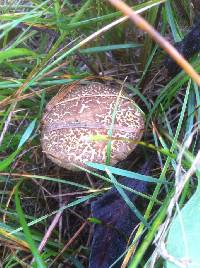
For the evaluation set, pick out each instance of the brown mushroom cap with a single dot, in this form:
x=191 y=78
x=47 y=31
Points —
x=74 y=116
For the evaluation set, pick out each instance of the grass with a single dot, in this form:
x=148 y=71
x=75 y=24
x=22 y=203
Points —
x=47 y=44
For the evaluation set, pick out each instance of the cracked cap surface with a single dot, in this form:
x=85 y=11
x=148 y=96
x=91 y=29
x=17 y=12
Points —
x=75 y=118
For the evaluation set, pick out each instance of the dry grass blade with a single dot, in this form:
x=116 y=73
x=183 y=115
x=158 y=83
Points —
x=145 y=26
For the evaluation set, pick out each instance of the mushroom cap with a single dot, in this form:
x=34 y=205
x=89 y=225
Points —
x=75 y=116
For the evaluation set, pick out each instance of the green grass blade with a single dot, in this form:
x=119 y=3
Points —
x=91 y=50
x=125 y=173
x=27 y=133
x=127 y=199
x=26 y=230
x=72 y=204
x=16 y=52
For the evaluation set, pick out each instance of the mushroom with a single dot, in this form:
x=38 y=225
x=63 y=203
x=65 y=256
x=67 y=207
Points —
x=76 y=115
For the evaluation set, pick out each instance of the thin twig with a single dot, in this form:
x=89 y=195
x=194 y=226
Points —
x=69 y=242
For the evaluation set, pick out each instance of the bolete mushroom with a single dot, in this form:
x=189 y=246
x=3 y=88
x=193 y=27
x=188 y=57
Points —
x=78 y=114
